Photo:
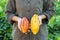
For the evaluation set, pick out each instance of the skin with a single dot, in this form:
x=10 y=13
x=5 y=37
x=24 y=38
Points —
x=15 y=18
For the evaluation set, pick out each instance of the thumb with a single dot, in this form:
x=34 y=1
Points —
x=19 y=22
x=40 y=19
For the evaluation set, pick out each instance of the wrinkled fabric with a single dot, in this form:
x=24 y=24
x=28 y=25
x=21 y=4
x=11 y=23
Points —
x=27 y=8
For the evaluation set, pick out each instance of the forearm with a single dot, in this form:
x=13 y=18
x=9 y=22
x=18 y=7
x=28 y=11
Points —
x=48 y=8
x=15 y=18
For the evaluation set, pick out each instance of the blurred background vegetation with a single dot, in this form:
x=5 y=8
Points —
x=53 y=25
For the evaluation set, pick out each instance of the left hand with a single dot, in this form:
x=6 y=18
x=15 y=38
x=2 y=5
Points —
x=40 y=19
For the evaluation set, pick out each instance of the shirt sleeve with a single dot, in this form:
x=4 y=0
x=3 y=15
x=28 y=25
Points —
x=48 y=9
x=10 y=11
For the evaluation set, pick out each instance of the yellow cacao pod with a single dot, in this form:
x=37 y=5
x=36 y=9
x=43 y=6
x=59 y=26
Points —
x=35 y=24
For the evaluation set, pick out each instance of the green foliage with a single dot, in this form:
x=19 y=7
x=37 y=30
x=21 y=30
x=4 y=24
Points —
x=2 y=7
x=54 y=28
x=57 y=7
x=53 y=25
x=5 y=28
x=52 y=22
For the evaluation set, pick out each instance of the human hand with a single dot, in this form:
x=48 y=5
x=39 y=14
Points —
x=40 y=19
x=19 y=21
x=23 y=25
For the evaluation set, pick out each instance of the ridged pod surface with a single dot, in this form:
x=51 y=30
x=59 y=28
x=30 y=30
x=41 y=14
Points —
x=24 y=25
x=35 y=24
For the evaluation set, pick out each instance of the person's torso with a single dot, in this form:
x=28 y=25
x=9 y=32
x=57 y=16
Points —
x=26 y=8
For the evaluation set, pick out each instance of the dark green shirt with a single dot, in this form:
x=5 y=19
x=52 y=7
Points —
x=27 y=8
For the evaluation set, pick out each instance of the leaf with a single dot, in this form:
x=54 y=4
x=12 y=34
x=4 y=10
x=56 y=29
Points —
x=57 y=38
x=1 y=9
x=5 y=37
x=51 y=22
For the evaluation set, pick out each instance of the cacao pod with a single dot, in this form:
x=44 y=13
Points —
x=35 y=24
x=24 y=25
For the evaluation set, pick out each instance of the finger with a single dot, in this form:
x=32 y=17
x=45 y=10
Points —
x=19 y=21
x=28 y=30
x=40 y=19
